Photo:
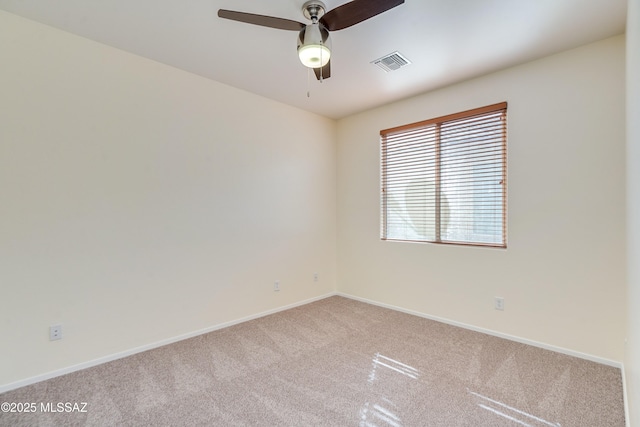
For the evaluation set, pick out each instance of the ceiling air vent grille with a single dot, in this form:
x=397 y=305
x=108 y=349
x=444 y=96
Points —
x=391 y=62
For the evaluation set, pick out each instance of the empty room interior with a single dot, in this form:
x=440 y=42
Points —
x=176 y=186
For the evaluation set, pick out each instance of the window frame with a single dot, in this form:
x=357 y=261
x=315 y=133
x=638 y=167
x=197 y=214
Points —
x=438 y=122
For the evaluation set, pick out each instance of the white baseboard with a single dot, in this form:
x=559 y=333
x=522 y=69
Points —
x=67 y=370
x=562 y=350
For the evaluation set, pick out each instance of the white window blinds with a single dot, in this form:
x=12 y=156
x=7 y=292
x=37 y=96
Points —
x=444 y=180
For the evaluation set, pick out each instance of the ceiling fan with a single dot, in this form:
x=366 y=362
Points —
x=314 y=47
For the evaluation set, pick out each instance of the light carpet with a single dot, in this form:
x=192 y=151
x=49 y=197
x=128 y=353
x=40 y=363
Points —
x=335 y=362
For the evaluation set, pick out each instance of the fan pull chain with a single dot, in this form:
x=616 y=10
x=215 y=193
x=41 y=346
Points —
x=321 y=68
x=308 y=82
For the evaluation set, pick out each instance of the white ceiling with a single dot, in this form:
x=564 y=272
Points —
x=446 y=40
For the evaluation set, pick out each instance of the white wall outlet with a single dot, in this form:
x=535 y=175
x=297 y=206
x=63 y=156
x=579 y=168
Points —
x=55 y=332
x=276 y=285
x=315 y=277
x=498 y=303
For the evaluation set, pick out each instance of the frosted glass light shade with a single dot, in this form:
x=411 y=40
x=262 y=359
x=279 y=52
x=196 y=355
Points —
x=314 y=55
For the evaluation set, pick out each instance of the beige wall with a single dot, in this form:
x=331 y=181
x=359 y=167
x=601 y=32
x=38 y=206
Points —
x=140 y=202
x=632 y=359
x=563 y=274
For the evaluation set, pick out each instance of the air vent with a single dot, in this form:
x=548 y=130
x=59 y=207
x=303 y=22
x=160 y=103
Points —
x=391 y=62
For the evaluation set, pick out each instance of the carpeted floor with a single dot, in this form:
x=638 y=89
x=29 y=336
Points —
x=335 y=362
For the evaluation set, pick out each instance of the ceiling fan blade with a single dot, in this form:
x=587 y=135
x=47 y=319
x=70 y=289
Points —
x=323 y=72
x=355 y=12
x=265 y=21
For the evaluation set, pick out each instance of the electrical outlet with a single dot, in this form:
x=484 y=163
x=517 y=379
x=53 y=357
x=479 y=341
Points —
x=55 y=332
x=276 y=285
x=498 y=303
x=315 y=277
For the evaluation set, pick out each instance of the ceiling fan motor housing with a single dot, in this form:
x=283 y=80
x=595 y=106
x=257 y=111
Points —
x=313 y=10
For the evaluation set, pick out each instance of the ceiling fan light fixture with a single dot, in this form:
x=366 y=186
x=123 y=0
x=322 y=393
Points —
x=313 y=49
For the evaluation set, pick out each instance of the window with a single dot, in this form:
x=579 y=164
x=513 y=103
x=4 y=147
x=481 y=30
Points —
x=444 y=180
